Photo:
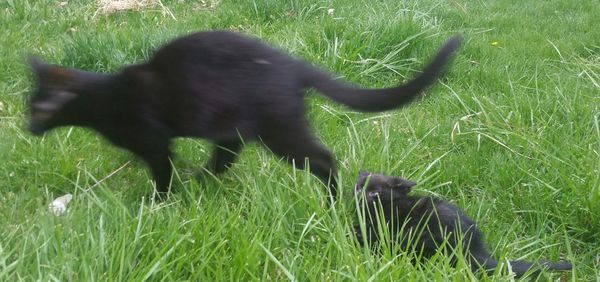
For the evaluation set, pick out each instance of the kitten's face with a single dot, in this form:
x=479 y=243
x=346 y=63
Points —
x=379 y=187
x=53 y=94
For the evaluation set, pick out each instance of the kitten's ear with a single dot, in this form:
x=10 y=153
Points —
x=363 y=173
x=403 y=185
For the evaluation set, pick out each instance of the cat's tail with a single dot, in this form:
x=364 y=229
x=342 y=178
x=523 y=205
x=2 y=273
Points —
x=374 y=100
x=484 y=261
x=519 y=268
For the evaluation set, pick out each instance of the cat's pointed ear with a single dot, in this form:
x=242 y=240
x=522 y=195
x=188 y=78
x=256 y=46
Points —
x=363 y=173
x=403 y=185
x=36 y=63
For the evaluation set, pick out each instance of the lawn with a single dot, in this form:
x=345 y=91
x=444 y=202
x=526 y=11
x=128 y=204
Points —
x=511 y=135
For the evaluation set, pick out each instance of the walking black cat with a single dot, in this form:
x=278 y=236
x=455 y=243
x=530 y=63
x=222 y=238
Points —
x=432 y=222
x=222 y=86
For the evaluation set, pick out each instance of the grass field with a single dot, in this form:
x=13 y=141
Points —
x=511 y=135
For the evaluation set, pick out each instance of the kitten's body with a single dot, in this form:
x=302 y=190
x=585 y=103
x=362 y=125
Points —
x=430 y=221
x=221 y=86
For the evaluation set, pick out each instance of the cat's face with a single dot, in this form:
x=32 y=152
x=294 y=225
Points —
x=54 y=94
x=379 y=187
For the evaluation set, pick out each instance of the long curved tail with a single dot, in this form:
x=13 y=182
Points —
x=375 y=100
x=521 y=267
x=518 y=267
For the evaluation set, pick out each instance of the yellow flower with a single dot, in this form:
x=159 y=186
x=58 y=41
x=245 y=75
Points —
x=494 y=43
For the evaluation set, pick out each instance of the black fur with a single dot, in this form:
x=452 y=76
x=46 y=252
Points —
x=222 y=86
x=432 y=221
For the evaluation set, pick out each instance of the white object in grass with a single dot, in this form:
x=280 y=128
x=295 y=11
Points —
x=59 y=206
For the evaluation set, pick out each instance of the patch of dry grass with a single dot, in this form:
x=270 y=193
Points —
x=114 y=6
x=206 y=5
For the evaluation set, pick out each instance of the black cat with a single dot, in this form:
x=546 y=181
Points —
x=430 y=221
x=222 y=86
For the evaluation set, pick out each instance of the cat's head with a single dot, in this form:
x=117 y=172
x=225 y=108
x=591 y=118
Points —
x=379 y=187
x=55 y=92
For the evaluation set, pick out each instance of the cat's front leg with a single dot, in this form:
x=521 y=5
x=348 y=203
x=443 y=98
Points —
x=371 y=236
x=358 y=235
x=152 y=147
x=160 y=166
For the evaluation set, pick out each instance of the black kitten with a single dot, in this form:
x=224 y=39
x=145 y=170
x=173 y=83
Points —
x=432 y=222
x=222 y=86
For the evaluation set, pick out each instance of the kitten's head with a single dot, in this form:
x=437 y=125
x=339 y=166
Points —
x=55 y=92
x=379 y=187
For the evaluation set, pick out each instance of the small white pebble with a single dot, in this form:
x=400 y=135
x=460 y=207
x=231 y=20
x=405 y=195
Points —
x=59 y=206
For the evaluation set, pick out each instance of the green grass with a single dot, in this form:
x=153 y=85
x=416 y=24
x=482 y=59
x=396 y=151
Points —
x=511 y=135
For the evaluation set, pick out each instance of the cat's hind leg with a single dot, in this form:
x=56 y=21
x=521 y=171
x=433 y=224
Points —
x=224 y=155
x=296 y=143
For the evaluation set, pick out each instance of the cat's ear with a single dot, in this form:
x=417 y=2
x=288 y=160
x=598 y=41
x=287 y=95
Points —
x=52 y=72
x=403 y=185
x=363 y=173
x=36 y=64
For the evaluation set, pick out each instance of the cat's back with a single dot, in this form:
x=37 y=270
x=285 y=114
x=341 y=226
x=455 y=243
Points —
x=450 y=216
x=224 y=82
x=217 y=50
x=441 y=212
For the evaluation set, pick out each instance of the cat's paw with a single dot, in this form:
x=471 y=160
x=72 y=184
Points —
x=201 y=175
x=358 y=235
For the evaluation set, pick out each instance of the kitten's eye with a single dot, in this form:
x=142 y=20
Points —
x=373 y=194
